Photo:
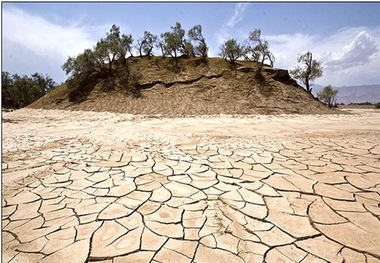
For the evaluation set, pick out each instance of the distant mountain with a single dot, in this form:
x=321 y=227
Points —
x=354 y=94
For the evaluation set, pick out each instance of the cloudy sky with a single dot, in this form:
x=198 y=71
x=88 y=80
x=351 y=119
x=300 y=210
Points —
x=345 y=37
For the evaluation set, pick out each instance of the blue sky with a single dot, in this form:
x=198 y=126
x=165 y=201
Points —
x=38 y=37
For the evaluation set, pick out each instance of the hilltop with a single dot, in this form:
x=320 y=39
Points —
x=191 y=86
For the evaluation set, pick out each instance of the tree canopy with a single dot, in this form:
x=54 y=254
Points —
x=20 y=91
x=106 y=51
x=254 y=49
x=195 y=34
x=106 y=63
x=231 y=50
x=146 y=44
x=116 y=46
x=328 y=95
x=312 y=69
x=257 y=49
x=173 y=41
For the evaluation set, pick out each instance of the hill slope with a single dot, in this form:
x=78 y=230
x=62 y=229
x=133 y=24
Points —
x=193 y=87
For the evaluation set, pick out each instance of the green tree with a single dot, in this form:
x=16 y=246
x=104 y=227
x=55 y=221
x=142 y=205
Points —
x=44 y=83
x=9 y=98
x=20 y=91
x=113 y=47
x=146 y=44
x=257 y=49
x=174 y=41
x=231 y=50
x=195 y=34
x=312 y=69
x=85 y=63
x=328 y=95
x=187 y=48
x=105 y=63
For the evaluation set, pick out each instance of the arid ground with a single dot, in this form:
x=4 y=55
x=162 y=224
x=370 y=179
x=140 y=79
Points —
x=87 y=186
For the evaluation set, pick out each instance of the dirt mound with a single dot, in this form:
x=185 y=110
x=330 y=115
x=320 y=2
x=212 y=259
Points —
x=193 y=87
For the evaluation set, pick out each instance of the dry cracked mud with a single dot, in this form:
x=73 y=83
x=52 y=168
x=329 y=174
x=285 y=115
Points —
x=102 y=187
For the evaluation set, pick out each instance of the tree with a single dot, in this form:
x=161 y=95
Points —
x=195 y=34
x=187 y=48
x=20 y=91
x=8 y=96
x=106 y=50
x=105 y=63
x=85 y=63
x=173 y=41
x=231 y=50
x=44 y=84
x=328 y=95
x=146 y=44
x=309 y=73
x=259 y=51
x=113 y=47
x=161 y=45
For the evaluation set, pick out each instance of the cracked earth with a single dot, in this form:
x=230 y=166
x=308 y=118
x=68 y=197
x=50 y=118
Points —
x=104 y=187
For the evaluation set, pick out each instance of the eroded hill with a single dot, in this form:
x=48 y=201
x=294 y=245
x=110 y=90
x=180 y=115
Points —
x=192 y=87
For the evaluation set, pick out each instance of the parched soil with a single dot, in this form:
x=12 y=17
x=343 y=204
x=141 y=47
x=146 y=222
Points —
x=107 y=187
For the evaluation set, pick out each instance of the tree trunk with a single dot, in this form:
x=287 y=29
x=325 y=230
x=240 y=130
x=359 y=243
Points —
x=307 y=84
x=150 y=52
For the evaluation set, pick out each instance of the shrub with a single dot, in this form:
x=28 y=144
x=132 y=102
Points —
x=128 y=80
x=231 y=50
x=328 y=95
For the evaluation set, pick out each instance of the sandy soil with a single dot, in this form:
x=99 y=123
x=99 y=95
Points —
x=104 y=126
x=108 y=187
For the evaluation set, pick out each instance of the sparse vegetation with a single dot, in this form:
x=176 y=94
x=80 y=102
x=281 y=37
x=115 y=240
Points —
x=146 y=44
x=231 y=50
x=195 y=34
x=312 y=70
x=257 y=49
x=377 y=105
x=254 y=49
x=362 y=103
x=110 y=64
x=19 y=91
x=174 y=43
x=328 y=95
x=106 y=63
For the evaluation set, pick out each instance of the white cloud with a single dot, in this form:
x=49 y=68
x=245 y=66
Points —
x=358 y=52
x=286 y=48
x=42 y=37
x=238 y=15
x=349 y=56
x=33 y=44
x=225 y=31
